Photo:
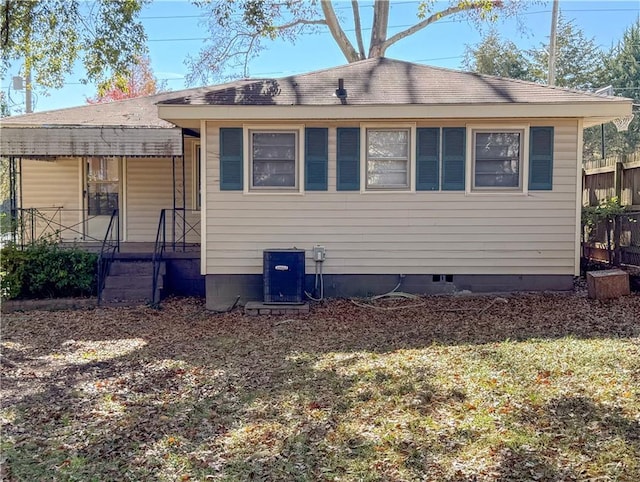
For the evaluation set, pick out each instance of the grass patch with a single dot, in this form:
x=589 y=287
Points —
x=540 y=388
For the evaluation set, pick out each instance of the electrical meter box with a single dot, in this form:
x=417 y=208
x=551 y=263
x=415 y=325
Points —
x=283 y=273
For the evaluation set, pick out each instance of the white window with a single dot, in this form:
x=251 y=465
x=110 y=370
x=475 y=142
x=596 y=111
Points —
x=273 y=161
x=102 y=185
x=387 y=158
x=498 y=159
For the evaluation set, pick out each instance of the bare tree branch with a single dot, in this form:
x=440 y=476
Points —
x=379 y=28
x=435 y=17
x=238 y=48
x=239 y=29
x=300 y=21
x=247 y=57
x=358 y=27
x=338 y=34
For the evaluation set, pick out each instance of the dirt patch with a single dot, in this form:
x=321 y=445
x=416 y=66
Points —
x=518 y=387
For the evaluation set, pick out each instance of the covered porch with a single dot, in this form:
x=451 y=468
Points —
x=130 y=195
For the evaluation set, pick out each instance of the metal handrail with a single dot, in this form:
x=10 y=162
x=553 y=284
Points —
x=158 y=253
x=108 y=250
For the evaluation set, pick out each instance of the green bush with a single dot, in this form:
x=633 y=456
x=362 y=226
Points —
x=44 y=270
x=605 y=211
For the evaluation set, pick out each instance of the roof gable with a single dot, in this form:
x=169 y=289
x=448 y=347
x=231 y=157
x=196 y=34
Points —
x=382 y=81
x=372 y=82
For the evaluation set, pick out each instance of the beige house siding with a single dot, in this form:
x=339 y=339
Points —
x=392 y=233
x=149 y=189
x=190 y=172
x=192 y=216
x=53 y=189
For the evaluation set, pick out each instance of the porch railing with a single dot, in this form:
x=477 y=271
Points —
x=184 y=228
x=55 y=224
x=178 y=231
x=110 y=246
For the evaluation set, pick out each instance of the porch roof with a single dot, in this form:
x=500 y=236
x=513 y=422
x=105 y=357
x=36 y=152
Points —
x=128 y=127
x=64 y=141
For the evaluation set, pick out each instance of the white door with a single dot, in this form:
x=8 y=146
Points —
x=102 y=195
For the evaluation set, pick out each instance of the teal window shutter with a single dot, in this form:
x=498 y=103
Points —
x=428 y=159
x=541 y=158
x=348 y=157
x=453 y=158
x=316 y=160
x=231 y=170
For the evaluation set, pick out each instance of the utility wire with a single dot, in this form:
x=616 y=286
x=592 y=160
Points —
x=173 y=79
x=204 y=15
x=439 y=22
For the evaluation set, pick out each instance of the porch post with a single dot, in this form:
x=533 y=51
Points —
x=15 y=198
x=184 y=196
x=173 y=211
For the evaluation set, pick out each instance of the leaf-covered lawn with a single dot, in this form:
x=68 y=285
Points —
x=540 y=387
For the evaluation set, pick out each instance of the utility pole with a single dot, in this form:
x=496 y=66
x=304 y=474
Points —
x=552 y=43
x=27 y=65
x=27 y=96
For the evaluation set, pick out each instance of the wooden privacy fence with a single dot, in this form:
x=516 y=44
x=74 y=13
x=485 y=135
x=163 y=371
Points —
x=615 y=241
x=615 y=176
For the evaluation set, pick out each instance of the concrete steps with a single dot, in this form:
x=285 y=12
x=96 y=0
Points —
x=130 y=282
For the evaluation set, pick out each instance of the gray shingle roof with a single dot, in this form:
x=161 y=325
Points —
x=138 y=112
x=383 y=81
x=368 y=82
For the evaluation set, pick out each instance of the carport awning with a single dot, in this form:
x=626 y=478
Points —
x=90 y=141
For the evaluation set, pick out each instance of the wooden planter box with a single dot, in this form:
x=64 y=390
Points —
x=603 y=285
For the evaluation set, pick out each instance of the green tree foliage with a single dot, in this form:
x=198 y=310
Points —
x=48 y=36
x=44 y=270
x=621 y=69
x=238 y=29
x=580 y=65
x=578 y=58
x=495 y=56
x=4 y=105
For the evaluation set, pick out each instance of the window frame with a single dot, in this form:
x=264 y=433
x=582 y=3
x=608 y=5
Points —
x=410 y=128
x=88 y=194
x=298 y=131
x=523 y=168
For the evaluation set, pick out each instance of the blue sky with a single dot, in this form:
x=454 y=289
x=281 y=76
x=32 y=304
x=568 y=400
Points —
x=174 y=31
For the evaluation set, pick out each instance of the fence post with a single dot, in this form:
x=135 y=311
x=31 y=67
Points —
x=617 y=233
x=617 y=177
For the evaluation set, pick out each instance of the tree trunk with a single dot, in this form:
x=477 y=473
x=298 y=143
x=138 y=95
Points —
x=377 y=47
x=338 y=34
x=358 y=27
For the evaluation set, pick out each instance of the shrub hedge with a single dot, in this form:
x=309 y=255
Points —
x=45 y=270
